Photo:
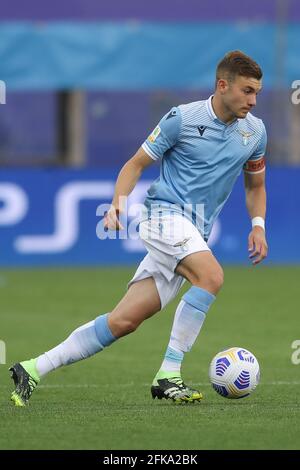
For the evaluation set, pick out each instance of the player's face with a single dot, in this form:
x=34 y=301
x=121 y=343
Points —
x=240 y=96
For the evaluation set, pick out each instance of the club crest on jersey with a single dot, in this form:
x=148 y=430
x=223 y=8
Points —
x=245 y=135
x=152 y=137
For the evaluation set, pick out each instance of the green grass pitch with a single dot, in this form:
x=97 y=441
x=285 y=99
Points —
x=105 y=402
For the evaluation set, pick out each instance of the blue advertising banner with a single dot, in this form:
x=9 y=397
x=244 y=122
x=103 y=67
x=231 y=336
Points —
x=107 y=56
x=50 y=218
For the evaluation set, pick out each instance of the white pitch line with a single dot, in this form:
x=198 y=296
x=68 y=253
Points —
x=132 y=384
x=149 y=384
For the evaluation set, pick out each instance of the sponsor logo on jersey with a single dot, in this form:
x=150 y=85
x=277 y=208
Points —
x=171 y=114
x=201 y=130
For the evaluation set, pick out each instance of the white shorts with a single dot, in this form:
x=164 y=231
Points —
x=168 y=238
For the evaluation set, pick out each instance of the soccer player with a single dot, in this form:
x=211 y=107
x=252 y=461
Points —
x=203 y=147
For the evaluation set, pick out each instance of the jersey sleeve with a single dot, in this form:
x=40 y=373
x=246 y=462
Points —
x=256 y=163
x=164 y=136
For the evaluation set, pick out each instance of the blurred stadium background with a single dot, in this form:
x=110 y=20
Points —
x=86 y=85
x=86 y=82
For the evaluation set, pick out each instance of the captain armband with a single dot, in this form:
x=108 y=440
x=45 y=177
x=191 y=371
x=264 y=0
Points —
x=255 y=166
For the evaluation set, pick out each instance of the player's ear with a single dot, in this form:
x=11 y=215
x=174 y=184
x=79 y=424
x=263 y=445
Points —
x=222 y=85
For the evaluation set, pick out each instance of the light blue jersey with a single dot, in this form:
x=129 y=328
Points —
x=201 y=158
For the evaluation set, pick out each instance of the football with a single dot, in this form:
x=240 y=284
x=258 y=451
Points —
x=234 y=373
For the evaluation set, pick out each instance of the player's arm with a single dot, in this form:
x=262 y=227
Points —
x=256 y=205
x=126 y=181
x=163 y=137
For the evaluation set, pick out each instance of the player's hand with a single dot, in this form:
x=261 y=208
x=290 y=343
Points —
x=257 y=245
x=111 y=219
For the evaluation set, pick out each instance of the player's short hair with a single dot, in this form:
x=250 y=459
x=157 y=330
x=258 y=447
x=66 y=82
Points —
x=237 y=63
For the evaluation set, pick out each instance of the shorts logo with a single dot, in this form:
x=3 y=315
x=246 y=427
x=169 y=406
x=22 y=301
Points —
x=152 y=137
x=183 y=242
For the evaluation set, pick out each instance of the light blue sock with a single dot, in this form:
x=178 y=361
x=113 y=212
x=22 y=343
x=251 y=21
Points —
x=103 y=333
x=189 y=318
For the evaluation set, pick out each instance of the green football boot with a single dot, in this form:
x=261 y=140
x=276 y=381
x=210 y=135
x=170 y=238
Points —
x=26 y=379
x=171 y=386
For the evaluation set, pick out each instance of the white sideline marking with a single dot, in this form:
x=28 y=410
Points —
x=296 y=382
x=131 y=384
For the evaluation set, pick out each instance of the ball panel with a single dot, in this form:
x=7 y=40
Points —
x=221 y=365
x=221 y=390
x=234 y=373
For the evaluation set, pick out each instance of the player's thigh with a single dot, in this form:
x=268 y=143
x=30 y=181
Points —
x=140 y=302
x=201 y=268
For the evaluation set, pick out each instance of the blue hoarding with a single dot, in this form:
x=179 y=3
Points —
x=107 y=55
x=48 y=217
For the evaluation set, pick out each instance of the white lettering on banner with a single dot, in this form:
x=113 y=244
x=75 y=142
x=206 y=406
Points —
x=15 y=204
x=66 y=209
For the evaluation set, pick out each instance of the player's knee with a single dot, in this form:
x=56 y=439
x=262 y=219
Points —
x=123 y=326
x=212 y=280
x=129 y=326
x=218 y=279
